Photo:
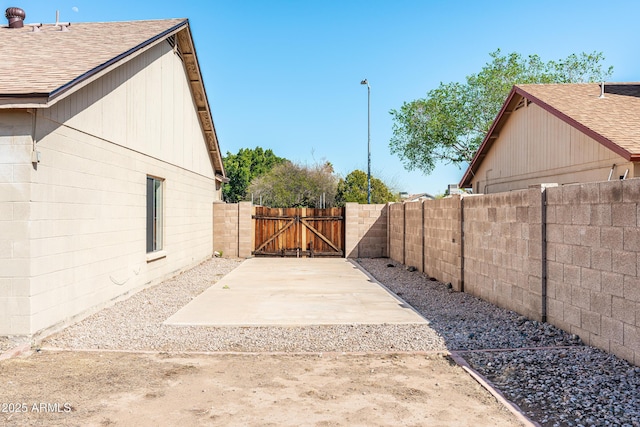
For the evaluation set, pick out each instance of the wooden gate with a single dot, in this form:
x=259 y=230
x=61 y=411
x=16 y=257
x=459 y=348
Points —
x=299 y=232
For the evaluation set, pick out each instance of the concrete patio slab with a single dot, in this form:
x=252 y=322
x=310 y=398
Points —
x=293 y=292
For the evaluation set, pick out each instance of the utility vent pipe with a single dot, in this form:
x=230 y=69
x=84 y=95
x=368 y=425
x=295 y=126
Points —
x=16 y=16
x=602 y=90
x=64 y=26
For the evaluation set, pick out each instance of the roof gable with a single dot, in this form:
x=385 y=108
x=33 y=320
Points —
x=53 y=63
x=48 y=60
x=612 y=119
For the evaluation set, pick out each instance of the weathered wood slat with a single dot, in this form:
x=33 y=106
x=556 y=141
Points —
x=314 y=218
x=295 y=253
x=317 y=233
x=278 y=233
x=298 y=231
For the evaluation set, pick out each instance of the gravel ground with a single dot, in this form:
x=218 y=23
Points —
x=465 y=322
x=136 y=324
x=566 y=387
x=575 y=386
x=572 y=384
x=8 y=343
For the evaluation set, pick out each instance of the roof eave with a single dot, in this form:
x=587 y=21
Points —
x=23 y=100
x=199 y=93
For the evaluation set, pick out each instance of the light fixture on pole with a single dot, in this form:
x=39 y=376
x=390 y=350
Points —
x=366 y=82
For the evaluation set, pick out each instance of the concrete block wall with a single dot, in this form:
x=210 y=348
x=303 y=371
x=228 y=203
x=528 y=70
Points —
x=366 y=230
x=503 y=250
x=443 y=240
x=396 y=232
x=233 y=231
x=413 y=235
x=593 y=252
x=87 y=224
x=427 y=235
x=16 y=146
x=225 y=228
x=73 y=229
x=246 y=232
x=566 y=254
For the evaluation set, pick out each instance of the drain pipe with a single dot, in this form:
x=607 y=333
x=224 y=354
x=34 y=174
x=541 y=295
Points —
x=611 y=171
x=35 y=154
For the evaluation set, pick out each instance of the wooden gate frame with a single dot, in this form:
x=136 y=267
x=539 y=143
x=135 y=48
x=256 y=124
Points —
x=304 y=220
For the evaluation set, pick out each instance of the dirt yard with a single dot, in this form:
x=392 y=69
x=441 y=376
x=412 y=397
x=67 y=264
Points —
x=108 y=389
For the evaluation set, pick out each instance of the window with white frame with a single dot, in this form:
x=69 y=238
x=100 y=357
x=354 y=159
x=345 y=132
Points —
x=154 y=214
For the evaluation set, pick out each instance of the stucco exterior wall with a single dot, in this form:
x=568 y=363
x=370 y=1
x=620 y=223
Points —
x=535 y=147
x=79 y=219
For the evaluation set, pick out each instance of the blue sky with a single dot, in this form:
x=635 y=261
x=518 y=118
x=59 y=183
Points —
x=285 y=74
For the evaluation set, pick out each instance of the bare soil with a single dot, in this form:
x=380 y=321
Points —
x=156 y=389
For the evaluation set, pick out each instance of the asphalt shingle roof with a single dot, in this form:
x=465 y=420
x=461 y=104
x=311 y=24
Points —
x=41 y=62
x=615 y=117
x=612 y=120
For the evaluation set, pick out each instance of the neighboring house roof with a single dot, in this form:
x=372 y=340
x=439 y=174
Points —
x=417 y=196
x=612 y=120
x=41 y=65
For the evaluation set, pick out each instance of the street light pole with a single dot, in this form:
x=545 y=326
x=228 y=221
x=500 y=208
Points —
x=366 y=82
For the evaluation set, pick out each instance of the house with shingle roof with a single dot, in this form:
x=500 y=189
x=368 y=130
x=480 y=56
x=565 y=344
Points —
x=560 y=133
x=417 y=197
x=109 y=165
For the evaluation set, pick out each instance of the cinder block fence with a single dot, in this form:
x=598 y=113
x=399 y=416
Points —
x=565 y=255
x=365 y=230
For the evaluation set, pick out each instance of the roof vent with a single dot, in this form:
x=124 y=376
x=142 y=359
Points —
x=16 y=16
x=64 y=26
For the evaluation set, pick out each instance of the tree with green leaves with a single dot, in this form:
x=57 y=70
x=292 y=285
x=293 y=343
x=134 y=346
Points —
x=449 y=124
x=290 y=185
x=243 y=167
x=353 y=188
